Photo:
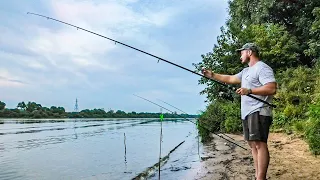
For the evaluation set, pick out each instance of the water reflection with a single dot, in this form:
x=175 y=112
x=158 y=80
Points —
x=108 y=149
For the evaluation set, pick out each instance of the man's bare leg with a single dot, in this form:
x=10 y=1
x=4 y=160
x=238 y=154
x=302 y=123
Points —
x=254 y=152
x=263 y=159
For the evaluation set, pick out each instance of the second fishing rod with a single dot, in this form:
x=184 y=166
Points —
x=193 y=122
x=159 y=58
x=195 y=118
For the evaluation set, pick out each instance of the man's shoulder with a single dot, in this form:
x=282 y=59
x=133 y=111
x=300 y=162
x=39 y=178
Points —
x=245 y=69
x=262 y=65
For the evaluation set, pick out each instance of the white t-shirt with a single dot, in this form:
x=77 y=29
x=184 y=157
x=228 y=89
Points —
x=253 y=77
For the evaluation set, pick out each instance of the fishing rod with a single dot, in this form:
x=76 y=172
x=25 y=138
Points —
x=159 y=58
x=194 y=118
x=194 y=123
x=197 y=123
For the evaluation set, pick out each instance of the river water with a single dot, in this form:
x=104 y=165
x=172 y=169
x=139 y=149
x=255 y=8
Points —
x=96 y=149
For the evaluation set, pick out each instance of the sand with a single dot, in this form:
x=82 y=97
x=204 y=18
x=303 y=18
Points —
x=289 y=159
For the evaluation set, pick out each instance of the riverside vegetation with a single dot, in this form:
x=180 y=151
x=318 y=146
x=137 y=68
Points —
x=288 y=34
x=36 y=111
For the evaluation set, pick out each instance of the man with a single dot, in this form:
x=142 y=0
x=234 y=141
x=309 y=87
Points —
x=258 y=80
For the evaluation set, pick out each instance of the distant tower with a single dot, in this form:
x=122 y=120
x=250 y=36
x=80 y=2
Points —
x=76 y=108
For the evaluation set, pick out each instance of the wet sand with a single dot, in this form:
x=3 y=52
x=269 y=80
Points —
x=289 y=159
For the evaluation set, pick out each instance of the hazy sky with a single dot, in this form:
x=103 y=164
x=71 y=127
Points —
x=53 y=64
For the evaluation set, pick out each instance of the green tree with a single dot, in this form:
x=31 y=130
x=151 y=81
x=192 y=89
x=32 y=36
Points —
x=313 y=43
x=277 y=50
x=296 y=16
x=293 y=97
x=31 y=106
x=287 y=32
x=2 y=105
x=22 y=105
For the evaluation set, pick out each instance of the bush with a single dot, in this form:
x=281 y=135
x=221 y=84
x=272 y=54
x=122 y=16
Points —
x=220 y=116
x=312 y=128
x=312 y=134
x=295 y=87
x=299 y=126
x=233 y=125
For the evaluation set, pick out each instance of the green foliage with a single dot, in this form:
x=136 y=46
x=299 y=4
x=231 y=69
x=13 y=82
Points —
x=312 y=131
x=293 y=96
x=233 y=125
x=298 y=126
x=22 y=105
x=313 y=43
x=312 y=127
x=276 y=46
x=288 y=34
x=2 y=105
x=296 y=16
x=220 y=116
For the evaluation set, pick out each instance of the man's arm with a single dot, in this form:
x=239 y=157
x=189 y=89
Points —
x=229 y=79
x=265 y=90
x=266 y=77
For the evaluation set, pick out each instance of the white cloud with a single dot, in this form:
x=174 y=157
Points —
x=50 y=55
x=67 y=49
x=8 y=79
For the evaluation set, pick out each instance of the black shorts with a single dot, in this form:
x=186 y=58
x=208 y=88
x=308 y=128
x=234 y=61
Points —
x=256 y=127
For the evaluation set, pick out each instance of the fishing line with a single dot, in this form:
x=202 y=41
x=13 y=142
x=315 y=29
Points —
x=159 y=58
x=194 y=123
x=125 y=150
x=194 y=118
x=198 y=139
x=161 y=118
x=74 y=129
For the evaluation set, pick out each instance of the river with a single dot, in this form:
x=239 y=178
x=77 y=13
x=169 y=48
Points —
x=96 y=148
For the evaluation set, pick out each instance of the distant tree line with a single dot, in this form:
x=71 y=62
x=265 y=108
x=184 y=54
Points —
x=37 y=111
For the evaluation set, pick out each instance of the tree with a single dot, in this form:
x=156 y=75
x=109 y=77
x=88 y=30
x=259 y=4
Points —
x=22 y=105
x=2 y=105
x=31 y=106
x=296 y=16
x=277 y=50
x=313 y=43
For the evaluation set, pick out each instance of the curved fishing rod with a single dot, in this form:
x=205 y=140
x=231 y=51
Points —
x=159 y=58
x=194 y=123
x=194 y=118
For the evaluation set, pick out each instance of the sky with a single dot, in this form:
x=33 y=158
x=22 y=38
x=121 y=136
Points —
x=53 y=64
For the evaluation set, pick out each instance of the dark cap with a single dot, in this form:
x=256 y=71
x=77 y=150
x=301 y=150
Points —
x=249 y=46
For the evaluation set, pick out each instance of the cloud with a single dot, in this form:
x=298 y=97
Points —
x=71 y=50
x=118 y=15
x=9 y=80
x=52 y=58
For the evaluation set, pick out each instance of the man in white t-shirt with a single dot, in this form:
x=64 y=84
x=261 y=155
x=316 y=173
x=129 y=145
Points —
x=259 y=81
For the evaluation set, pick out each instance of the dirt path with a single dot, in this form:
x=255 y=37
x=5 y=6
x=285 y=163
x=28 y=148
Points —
x=290 y=159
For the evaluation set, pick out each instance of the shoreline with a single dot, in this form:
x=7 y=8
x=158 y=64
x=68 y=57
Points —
x=290 y=158
x=122 y=118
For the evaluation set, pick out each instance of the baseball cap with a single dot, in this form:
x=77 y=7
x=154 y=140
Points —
x=249 y=46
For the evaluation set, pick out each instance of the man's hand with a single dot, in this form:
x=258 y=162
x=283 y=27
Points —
x=229 y=79
x=243 y=91
x=207 y=73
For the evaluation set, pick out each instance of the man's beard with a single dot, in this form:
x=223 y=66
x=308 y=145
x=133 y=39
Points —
x=246 y=60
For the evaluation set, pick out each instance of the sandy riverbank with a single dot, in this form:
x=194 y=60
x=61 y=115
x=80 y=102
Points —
x=290 y=159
